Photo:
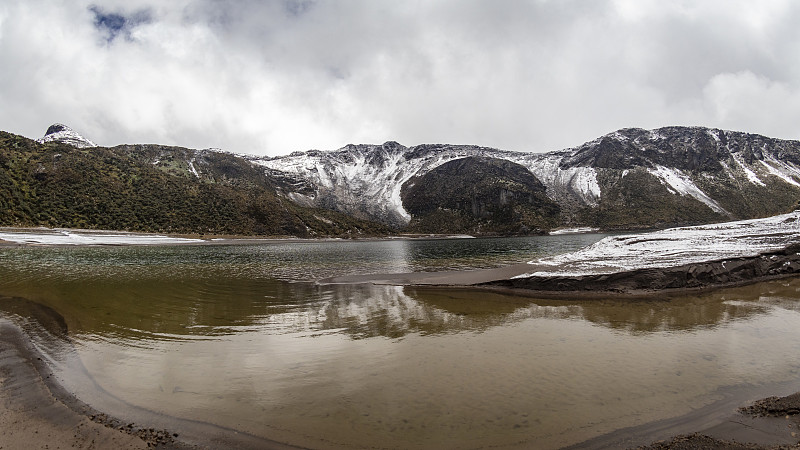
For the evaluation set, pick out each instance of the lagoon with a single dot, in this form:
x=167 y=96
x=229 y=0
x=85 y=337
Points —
x=239 y=339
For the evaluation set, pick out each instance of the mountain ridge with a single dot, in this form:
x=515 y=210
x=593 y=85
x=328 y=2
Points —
x=715 y=173
x=629 y=178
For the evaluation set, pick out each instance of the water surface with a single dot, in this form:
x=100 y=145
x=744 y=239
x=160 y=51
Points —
x=236 y=336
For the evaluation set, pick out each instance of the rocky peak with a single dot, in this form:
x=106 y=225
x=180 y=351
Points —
x=61 y=133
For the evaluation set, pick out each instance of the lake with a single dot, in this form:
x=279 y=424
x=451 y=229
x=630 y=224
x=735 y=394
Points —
x=237 y=340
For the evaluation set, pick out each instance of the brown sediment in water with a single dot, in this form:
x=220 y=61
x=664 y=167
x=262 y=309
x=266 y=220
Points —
x=771 y=423
x=37 y=411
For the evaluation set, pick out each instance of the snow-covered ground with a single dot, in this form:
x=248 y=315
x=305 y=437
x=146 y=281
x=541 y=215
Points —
x=577 y=230
x=69 y=237
x=674 y=247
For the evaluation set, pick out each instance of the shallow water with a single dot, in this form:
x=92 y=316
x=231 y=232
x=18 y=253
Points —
x=236 y=336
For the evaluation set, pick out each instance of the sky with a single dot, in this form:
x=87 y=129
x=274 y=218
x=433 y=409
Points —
x=273 y=77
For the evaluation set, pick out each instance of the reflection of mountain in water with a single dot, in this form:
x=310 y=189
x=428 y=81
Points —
x=172 y=310
x=393 y=311
x=363 y=311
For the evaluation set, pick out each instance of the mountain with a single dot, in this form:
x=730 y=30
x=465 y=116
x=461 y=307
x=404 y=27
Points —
x=65 y=135
x=631 y=178
x=61 y=183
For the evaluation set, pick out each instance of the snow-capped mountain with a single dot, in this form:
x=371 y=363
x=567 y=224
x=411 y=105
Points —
x=631 y=178
x=628 y=178
x=367 y=180
x=66 y=135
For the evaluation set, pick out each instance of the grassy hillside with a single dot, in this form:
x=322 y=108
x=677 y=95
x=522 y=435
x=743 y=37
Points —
x=151 y=188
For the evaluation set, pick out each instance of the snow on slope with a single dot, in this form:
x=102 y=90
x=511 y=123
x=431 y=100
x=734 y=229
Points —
x=785 y=171
x=366 y=180
x=675 y=247
x=680 y=183
x=64 y=134
x=371 y=177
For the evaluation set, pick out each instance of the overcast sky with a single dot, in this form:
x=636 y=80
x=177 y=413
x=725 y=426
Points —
x=272 y=77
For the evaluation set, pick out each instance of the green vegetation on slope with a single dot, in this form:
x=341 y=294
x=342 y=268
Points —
x=151 y=188
x=637 y=199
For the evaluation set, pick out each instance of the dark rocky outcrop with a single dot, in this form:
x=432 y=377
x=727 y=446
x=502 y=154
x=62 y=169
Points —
x=479 y=195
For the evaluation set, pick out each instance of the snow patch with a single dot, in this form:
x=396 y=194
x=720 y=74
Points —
x=580 y=180
x=576 y=230
x=69 y=237
x=192 y=169
x=679 y=183
x=64 y=134
x=751 y=176
x=782 y=170
x=674 y=247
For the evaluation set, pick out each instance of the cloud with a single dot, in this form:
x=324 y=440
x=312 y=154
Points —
x=283 y=75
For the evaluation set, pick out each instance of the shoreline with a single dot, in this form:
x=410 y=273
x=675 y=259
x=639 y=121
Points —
x=74 y=237
x=717 y=426
x=43 y=412
x=639 y=283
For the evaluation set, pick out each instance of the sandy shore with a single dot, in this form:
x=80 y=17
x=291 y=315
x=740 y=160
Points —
x=36 y=411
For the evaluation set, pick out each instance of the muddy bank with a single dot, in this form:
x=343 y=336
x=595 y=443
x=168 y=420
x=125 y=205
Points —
x=772 y=423
x=725 y=425
x=695 y=276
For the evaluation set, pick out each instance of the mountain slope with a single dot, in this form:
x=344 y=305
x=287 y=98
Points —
x=152 y=188
x=627 y=179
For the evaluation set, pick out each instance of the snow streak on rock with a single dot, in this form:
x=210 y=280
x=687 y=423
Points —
x=680 y=183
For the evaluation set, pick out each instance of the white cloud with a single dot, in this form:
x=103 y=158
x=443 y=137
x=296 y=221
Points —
x=755 y=103
x=284 y=75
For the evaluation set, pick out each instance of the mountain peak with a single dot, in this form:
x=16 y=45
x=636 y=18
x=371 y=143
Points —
x=59 y=132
